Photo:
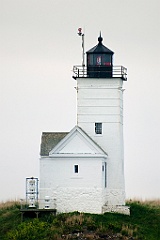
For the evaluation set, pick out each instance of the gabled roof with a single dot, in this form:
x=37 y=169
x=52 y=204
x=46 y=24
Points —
x=76 y=141
x=49 y=140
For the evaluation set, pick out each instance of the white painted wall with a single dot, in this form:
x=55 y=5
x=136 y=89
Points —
x=98 y=100
x=101 y=100
x=81 y=191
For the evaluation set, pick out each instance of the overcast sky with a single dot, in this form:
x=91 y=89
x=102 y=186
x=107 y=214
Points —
x=39 y=46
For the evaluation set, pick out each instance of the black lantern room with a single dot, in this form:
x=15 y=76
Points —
x=99 y=64
x=99 y=61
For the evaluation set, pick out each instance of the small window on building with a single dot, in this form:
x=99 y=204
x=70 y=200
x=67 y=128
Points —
x=76 y=168
x=98 y=128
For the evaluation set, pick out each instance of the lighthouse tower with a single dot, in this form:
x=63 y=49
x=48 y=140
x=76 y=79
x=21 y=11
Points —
x=100 y=115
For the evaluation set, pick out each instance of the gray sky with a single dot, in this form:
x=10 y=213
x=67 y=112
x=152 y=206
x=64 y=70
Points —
x=39 y=46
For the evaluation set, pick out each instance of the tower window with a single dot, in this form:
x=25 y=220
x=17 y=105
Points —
x=98 y=128
x=76 y=168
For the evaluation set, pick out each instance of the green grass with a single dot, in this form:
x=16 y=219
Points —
x=142 y=224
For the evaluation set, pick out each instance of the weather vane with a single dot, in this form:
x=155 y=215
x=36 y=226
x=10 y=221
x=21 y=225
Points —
x=82 y=35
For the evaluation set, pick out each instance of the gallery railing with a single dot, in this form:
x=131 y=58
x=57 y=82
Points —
x=100 y=72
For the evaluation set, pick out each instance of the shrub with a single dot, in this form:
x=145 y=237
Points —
x=30 y=231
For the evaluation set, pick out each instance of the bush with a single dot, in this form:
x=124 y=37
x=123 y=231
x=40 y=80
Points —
x=30 y=231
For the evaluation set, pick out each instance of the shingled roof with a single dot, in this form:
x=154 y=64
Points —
x=49 y=140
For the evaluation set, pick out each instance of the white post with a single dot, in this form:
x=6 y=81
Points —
x=82 y=35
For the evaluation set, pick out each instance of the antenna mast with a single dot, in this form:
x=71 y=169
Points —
x=82 y=35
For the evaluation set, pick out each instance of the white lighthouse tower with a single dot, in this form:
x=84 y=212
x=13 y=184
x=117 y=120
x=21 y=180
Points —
x=100 y=115
x=83 y=170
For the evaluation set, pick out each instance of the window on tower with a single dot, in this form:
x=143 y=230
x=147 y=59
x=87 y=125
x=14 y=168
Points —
x=76 y=168
x=98 y=128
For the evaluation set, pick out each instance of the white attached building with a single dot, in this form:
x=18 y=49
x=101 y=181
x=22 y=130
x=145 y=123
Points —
x=83 y=170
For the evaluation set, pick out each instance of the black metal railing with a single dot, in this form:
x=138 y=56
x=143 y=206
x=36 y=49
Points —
x=100 y=72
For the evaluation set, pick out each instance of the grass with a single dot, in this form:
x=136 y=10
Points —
x=143 y=224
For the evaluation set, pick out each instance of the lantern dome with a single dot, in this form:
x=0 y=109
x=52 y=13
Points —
x=100 y=48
